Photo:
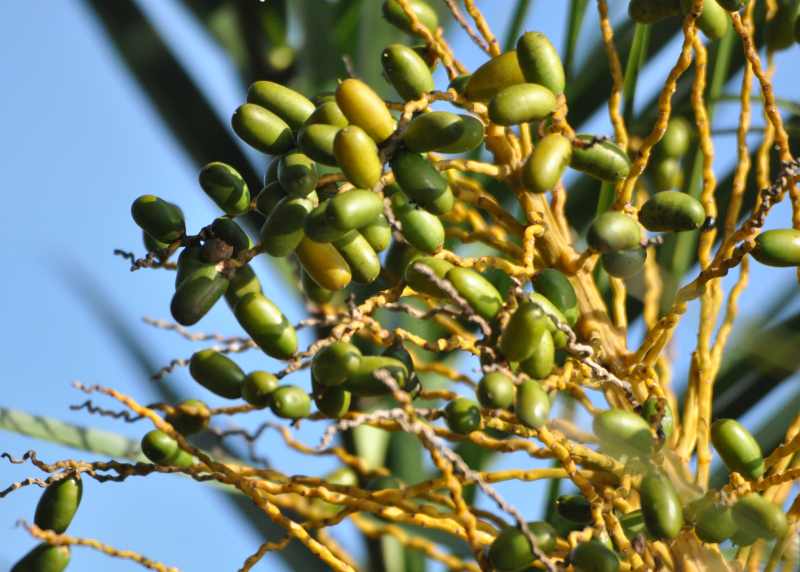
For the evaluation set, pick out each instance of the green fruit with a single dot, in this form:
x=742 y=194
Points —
x=623 y=433
x=257 y=388
x=743 y=538
x=738 y=448
x=422 y=283
x=291 y=106
x=658 y=413
x=161 y=220
x=426 y=15
x=197 y=294
x=227 y=230
x=419 y=179
x=243 y=281
x=541 y=362
x=521 y=103
x=189 y=417
x=479 y=293
x=334 y=363
x=667 y=174
x=44 y=558
x=444 y=132
x=594 y=556
x=661 y=507
x=713 y=19
x=297 y=174
x=323 y=263
x=290 y=402
x=268 y=327
x=756 y=516
x=780 y=30
x=365 y=109
x=624 y=263
x=162 y=449
x=283 y=230
x=217 y=373
x=316 y=141
x=540 y=62
x=714 y=523
x=365 y=266
x=545 y=166
x=463 y=416
x=317 y=225
x=378 y=233
x=58 y=504
x=533 y=405
x=497 y=391
x=262 y=129
x=314 y=291
x=574 y=508
x=423 y=230
x=354 y=209
x=459 y=83
x=677 y=138
x=269 y=197
x=357 y=157
x=778 y=247
x=493 y=77
x=364 y=383
x=523 y=329
x=151 y=244
x=672 y=211
x=556 y=287
x=559 y=337
x=613 y=231
x=226 y=187
x=399 y=256
x=602 y=160
x=334 y=402
x=651 y=11
x=327 y=113
x=408 y=73
x=511 y=550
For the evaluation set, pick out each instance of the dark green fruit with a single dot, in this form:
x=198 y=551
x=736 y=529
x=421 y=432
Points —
x=672 y=211
x=151 y=244
x=284 y=228
x=541 y=362
x=316 y=141
x=525 y=326
x=443 y=132
x=738 y=448
x=408 y=73
x=58 y=504
x=497 y=391
x=714 y=523
x=364 y=382
x=533 y=405
x=602 y=160
x=226 y=187
x=242 y=282
x=623 y=433
x=463 y=416
x=161 y=220
x=422 y=283
x=667 y=174
x=290 y=402
x=336 y=362
x=378 y=233
x=613 y=231
x=314 y=291
x=633 y=524
x=189 y=417
x=357 y=156
x=420 y=180
x=624 y=263
x=677 y=139
x=162 y=449
x=399 y=256
x=354 y=209
x=262 y=129
x=559 y=337
x=540 y=62
x=756 y=516
x=511 y=551
x=291 y=106
x=713 y=20
x=334 y=402
x=323 y=263
x=493 y=77
x=661 y=507
x=268 y=327
x=544 y=168
x=778 y=247
x=365 y=266
x=556 y=287
x=594 y=556
x=365 y=108
x=521 y=103
x=479 y=293
x=651 y=11
x=297 y=174
x=227 y=230
x=44 y=558
x=658 y=413
x=197 y=294
x=426 y=15
x=423 y=230
x=217 y=373
x=318 y=226
x=269 y=197
x=257 y=388
x=575 y=508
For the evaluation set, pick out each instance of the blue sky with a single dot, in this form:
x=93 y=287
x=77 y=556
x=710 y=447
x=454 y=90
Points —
x=80 y=142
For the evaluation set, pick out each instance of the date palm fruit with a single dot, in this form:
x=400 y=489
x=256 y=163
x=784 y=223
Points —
x=408 y=73
x=189 y=417
x=756 y=516
x=335 y=363
x=667 y=174
x=545 y=166
x=479 y=293
x=613 y=231
x=423 y=230
x=365 y=109
x=443 y=132
x=422 y=182
x=532 y=405
x=297 y=174
x=163 y=450
x=426 y=15
x=511 y=551
x=364 y=382
x=540 y=62
x=594 y=556
x=217 y=373
x=317 y=142
x=314 y=291
x=574 y=508
x=623 y=433
x=163 y=221
x=257 y=388
x=291 y=106
x=262 y=129
x=357 y=157
x=58 y=504
x=713 y=19
x=624 y=263
x=199 y=289
x=327 y=113
x=283 y=230
x=713 y=522
x=526 y=325
x=556 y=287
x=672 y=211
x=290 y=402
x=493 y=77
x=44 y=558
x=323 y=263
x=318 y=226
x=677 y=139
x=226 y=187
x=354 y=209
x=601 y=159
x=778 y=247
x=417 y=280
x=737 y=447
x=559 y=337
x=227 y=230
x=269 y=328
x=378 y=232
x=334 y=402
x=151 y=244
x=496 y=390
x=269 y=197
x=463 y=415
x=521 y=103
x=661 y=506
x=542 y=360
x=243 y=281
x=651 y=11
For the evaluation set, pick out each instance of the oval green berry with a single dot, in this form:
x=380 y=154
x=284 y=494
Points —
x=314 y=291
x=354 y=209
x=540 y=62
x=672 y=211
x=323 y=263
x=756 y=516
x=226 y=229
x=334 y=402
x=257 y=388
x=317 y=142
x=58 y=504
x=419 y=179
x=714 y=523
x=423 y=230
x=262 y=129
x=713 y=19
x=541 y=362
x=408 y=73
x=612 y=231
x=444 y=132
x=463 y=416
x=623 y=433
x=426 y=15
x=161 y=220
x=533 y=405
x=544 y=168
x=297 y=174
x=738 y=448
x=269 y=197
x=162 y=449
x=594 y=556
x=336 y=362
x=197 y=294
x=44 y=558
x=677 y=138
x=363 y=381
x=479 y=293
x=778 y=247
x=521 y=103
x=189 y=417
x=365 y=266
x=243 y=281
x=667 y=174
x=284 y=228
x=226 y=187
x=290 y=402
x=496 y=390
x=661 y=507
x=624 y=263
x=268 y=327
x=217 y=373
x=327 y=113
x=364 y=108
x=574 y=508
x=291 y=106
x=416 y=279
x=357 y=157
x=556 y=287
x=525 y=326
x=601 y=159
x=494 y=76
x=511 y=551
x=318 y=226
x=378 y=233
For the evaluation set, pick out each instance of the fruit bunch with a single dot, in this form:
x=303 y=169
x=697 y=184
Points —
x=372 y=203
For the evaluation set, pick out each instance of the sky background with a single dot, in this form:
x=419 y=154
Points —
x=79 y=142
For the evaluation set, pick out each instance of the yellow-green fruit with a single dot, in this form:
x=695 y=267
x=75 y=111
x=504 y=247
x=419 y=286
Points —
x=540 y=62
x=364 y=108
x=661 y=507
x=422 y=182
x=162 y=449
x=262 y=129
x=269 y=328
x=602 y=160
x=714 y=522
x=713 y=19
x=290 y=402
x=297 y=174
x=161 y=220
x=623 y=433
x=394 y=13
x=778 y=247
x=496 y=390
x=677 y=138
x=357 y=157
x=511 y=550
x=544 y=168
x=226 y=187
x=463 y=416
x=242 y=282
x=407 y=71
x=419 y=281
x=521 y=103
x=328 y=113
x=314 y=291
x=198 y=291
x=738 y=448
x=217 y=373
x=479 y=293
x=780 y=30
x=44 y=558
x=525 y=326
x=672 y=211
x=532 y=407
x=756 y=516
x=667 y=174
x=189 y=417
x=284 y=228
x=378 y=233
x=291 y=106
x=364 y=382
x=494 y=76
x=334 y=363
x=318 y=226
x=365 y=266
x=612 y=231
x=651 y=11
x=540 y=363
x=58 y=504
x=624 y=263
x=594 y=556
x=324 y=264
x=423 y=230
x=444 y=132
x=269 y=197
x=354 y=209
x=257 y=388
x=546 y=306
x=317 y=140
